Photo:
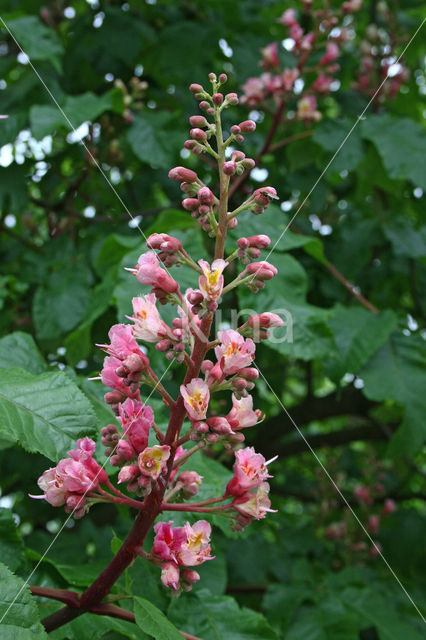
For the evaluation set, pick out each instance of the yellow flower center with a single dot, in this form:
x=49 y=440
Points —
x=213 y=278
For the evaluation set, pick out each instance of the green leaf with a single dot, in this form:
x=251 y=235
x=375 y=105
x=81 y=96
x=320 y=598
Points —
x=150 y=141
x=78 y=343
x=329 y=134
x=11 y=545
x=61 y=304
x=46 y=118
x=44 y=413
x=37 y=41
x=219 y=618
x=406 y=241
x=375 y=610
x=97 y=627
x=400 y=143
x=153 y=621
x=21 y=621
x=358 y=334
x=397 y=372
x=18 y=349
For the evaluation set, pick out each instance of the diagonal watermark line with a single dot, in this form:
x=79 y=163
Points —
x=312 y=450
x=344 y=141
x=77 y=505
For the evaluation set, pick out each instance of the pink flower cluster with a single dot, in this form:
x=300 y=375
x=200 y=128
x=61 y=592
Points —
x=73 y=480
x=149 y=460
x=175 y=547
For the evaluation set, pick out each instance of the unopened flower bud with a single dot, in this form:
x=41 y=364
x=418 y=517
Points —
x=183 y=174
x=204 y=105
x=212 y=438
x=135 y=362
x=113 y=397
x=232 y=223
x=389 y=506
x=237 y=156
x=265 y=320
x=253 y=252
x=196 y=88
x=243 y=243
x=128 y=473
x=249 y=373
x=212 y=77
x=261 y=270
x=219 y=425
x=263 y=195
x=190 y=204
x=205 y=196
x=190 y=144
x=248 y=163
x=235 y=129
x=231 y=98
x=163 y=345
x=223 y=78
x=198 y=134
x=229 y=168
x=217 y=99
x=260 y=241
x=200 y=427
x=198 y=121
x=189 y=575
x=248 y=126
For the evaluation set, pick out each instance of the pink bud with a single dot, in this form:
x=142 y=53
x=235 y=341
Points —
x=249 y=373
x=205 y=196
x=260 y=241
x=198 y=121
x=231 y=98
x=201 y=427
x=163 y=345
x=243 y=243
x=389 y=506
x=182 y=173
x=219 y=425
x=170 y=575
x=266 y=319
x=217 y=99
x=198 y=134
x=363 y=494
x=237 y=156
x=229 y=168
x=235 y=129
x=248 y=126
x=206 y=366
x=263 y=195
x=125 y=450
x=195 y=297
x=135 y=362
x=113 y=397
x=190 y=204
x=374 y=523
x=223 y=78
x=204 y=105
x=196 y=88
x=189 y=575
x=232 y=223
x=128 y=473
x=262 y=270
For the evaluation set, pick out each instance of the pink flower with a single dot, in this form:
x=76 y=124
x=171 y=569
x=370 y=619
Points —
x=288 y=18
x=242 y=414
x=363 y=494
x=164 y=242
x=196 y=549
x=219 y=425
x=332 y=52
x=249 y=472
x=148 y=324
x=148 y=271
x=374 y=523
x=234 y=352
x=168 y=541
x=211 y=282
x=73 y=478
x=288 y=78
x=136 y=420
x=322 y=84
x=254 y=504
x=123 y=343
x=307 y=109
x=153 y=461
x=270 y=56
x=253 y=91
x=170 y=575
x=196 y=396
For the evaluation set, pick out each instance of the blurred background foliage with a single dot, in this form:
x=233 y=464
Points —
x=353 y=379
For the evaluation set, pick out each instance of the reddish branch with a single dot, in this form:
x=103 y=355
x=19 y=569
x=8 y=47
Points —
x=72 y=599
